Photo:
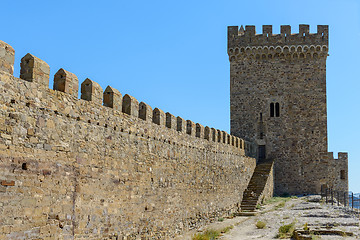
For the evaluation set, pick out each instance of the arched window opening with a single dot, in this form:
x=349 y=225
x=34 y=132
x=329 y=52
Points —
x=271 y=109
x=277 y=109
x=342 y=174
x=261 y=135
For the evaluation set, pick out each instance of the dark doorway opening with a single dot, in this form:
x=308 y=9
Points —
x=262 y=153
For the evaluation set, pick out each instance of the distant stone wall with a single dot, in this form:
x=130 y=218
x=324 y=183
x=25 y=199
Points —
x=74 y=169
x=331 y=172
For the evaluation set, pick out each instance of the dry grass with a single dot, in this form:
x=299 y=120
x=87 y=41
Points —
x=260 y=225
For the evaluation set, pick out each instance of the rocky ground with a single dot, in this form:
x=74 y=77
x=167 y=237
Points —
x=309 y=217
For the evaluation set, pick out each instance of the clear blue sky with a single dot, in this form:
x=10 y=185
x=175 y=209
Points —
x=172 y=54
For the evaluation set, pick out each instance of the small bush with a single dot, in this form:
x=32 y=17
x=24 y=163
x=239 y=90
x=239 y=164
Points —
x=306 y=228
x=258 y=206
x=221 y=219
x=260 y=225
x=280 y=205
x=227 y=229
x=207 y=235
x=200 y=236
x=286 y=231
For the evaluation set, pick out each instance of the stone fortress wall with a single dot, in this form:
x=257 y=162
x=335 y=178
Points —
x=278 y=101
x=105 y=166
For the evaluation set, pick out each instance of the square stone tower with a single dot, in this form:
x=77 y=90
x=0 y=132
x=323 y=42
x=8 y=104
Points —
x=278 y=101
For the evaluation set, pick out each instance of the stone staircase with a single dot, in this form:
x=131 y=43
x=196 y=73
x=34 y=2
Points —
x=255 y=188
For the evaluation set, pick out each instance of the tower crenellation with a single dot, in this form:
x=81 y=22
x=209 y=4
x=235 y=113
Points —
x=287 y=45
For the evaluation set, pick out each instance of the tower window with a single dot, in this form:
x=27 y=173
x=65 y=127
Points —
x=272 y=110
x=277 y=109
x=342 y=174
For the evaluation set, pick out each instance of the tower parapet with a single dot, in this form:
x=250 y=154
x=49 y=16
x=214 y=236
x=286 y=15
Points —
x=246 y=43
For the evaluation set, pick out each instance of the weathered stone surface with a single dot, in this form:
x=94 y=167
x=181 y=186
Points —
x=207 y=132
x=34 y=69
x=7 y=58
x=214 y=135
x=181 y=124
x=67 y=82
x=91 y=91
x=79 y=170
x=220 y=136
x=224 y=137
x=278 y=101
x=7 y=183
x=159 y=117
x=83 y=171
x=145 y=112
x=171 y=121
x=190 y=128
x=112 y=98
x=199 y=130
x=130 y=105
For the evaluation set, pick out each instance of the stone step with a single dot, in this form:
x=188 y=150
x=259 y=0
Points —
x=250 y=197
x=257 y=185
x=249 y=202
x=255 y=188
x=263 y=167
x=252 y=187
x=258 y=179
x=252 y=192
x=264 y=171
x=254 y=195
x=248 y=214
x=247 y=207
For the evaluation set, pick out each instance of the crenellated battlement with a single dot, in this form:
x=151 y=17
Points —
x=108 y=156
x=37 y=71
x=245 y=43
x=326 y=156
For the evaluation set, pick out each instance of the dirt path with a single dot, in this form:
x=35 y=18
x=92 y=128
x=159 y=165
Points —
x=303 y=213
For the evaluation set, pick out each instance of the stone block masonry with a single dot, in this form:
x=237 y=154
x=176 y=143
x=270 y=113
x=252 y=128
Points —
x=75 y=169
x=278 y=101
